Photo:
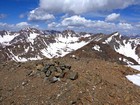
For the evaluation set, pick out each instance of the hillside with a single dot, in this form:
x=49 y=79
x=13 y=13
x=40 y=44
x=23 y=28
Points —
x=99 y=82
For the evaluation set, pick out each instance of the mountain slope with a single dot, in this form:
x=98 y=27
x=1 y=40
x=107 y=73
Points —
x=102 y=51
x=124 y=45
x=99 y=83
x=32 y=44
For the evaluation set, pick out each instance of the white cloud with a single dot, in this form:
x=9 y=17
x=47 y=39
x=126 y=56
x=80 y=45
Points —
x=83 y=6
x=125 y=26
x=22 y=25
x=48 y=8
x=14 y=27
x=39 y=15
x=138 y=25
x=112 y=17
x=79 y=23
x=76 y=21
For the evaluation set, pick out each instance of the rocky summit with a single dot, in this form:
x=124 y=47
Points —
x=67 y=81
x=56 y=71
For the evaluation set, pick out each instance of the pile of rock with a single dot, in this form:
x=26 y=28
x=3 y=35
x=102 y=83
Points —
x=56 y=71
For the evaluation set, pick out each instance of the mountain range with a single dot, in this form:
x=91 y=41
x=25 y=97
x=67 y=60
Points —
x=34 y=44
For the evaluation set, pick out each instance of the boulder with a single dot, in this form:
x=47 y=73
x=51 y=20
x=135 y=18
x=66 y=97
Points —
x=73 y=75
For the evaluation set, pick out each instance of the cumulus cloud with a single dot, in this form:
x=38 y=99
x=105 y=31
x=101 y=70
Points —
x=48 y=8
x=112 y=17
x=39 y=15
x=2 y=16
x=83 y=6
x=125 y=26
x=14 y=27
x=22 y=24
x=79 y=23
x=76 y=21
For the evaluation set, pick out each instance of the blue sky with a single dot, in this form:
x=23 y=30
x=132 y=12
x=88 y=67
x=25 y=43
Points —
x=94 y=16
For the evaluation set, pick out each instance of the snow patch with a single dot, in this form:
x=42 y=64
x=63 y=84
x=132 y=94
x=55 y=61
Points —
x=128 y=51
x=136 y=67
x=66 y=39
x=60 y=49
x=127 y=61
x=97 y=48
x=87 y=35
x=5 y=40
x=135 y=79
x=32 y=36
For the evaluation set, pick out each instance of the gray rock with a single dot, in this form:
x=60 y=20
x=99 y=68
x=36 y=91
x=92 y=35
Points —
x=68 y=67
x=66 y=70
x=62 y=75
x=59 y=70
x=62 y=67
x=51 y=64
x=29 y=73
x=53 y=79
x=73 y=75
x=45 y=69
x=24 y=83
x=48 y=73
x=52 y=68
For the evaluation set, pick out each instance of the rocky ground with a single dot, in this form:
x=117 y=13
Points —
x=67 y=81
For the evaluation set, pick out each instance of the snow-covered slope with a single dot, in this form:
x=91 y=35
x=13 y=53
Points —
x=6 y=37
x=32 y=44
x=124 y=45
x=135 y=79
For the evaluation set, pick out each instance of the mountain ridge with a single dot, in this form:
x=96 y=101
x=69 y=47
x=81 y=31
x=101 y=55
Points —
x=33 y=44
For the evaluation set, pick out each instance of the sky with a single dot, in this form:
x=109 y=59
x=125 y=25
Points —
x=96 y=16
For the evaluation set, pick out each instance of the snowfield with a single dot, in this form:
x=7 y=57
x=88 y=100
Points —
x=136 y=67
x=135 y=79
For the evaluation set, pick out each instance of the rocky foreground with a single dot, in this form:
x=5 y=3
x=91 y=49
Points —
x=67 y=81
